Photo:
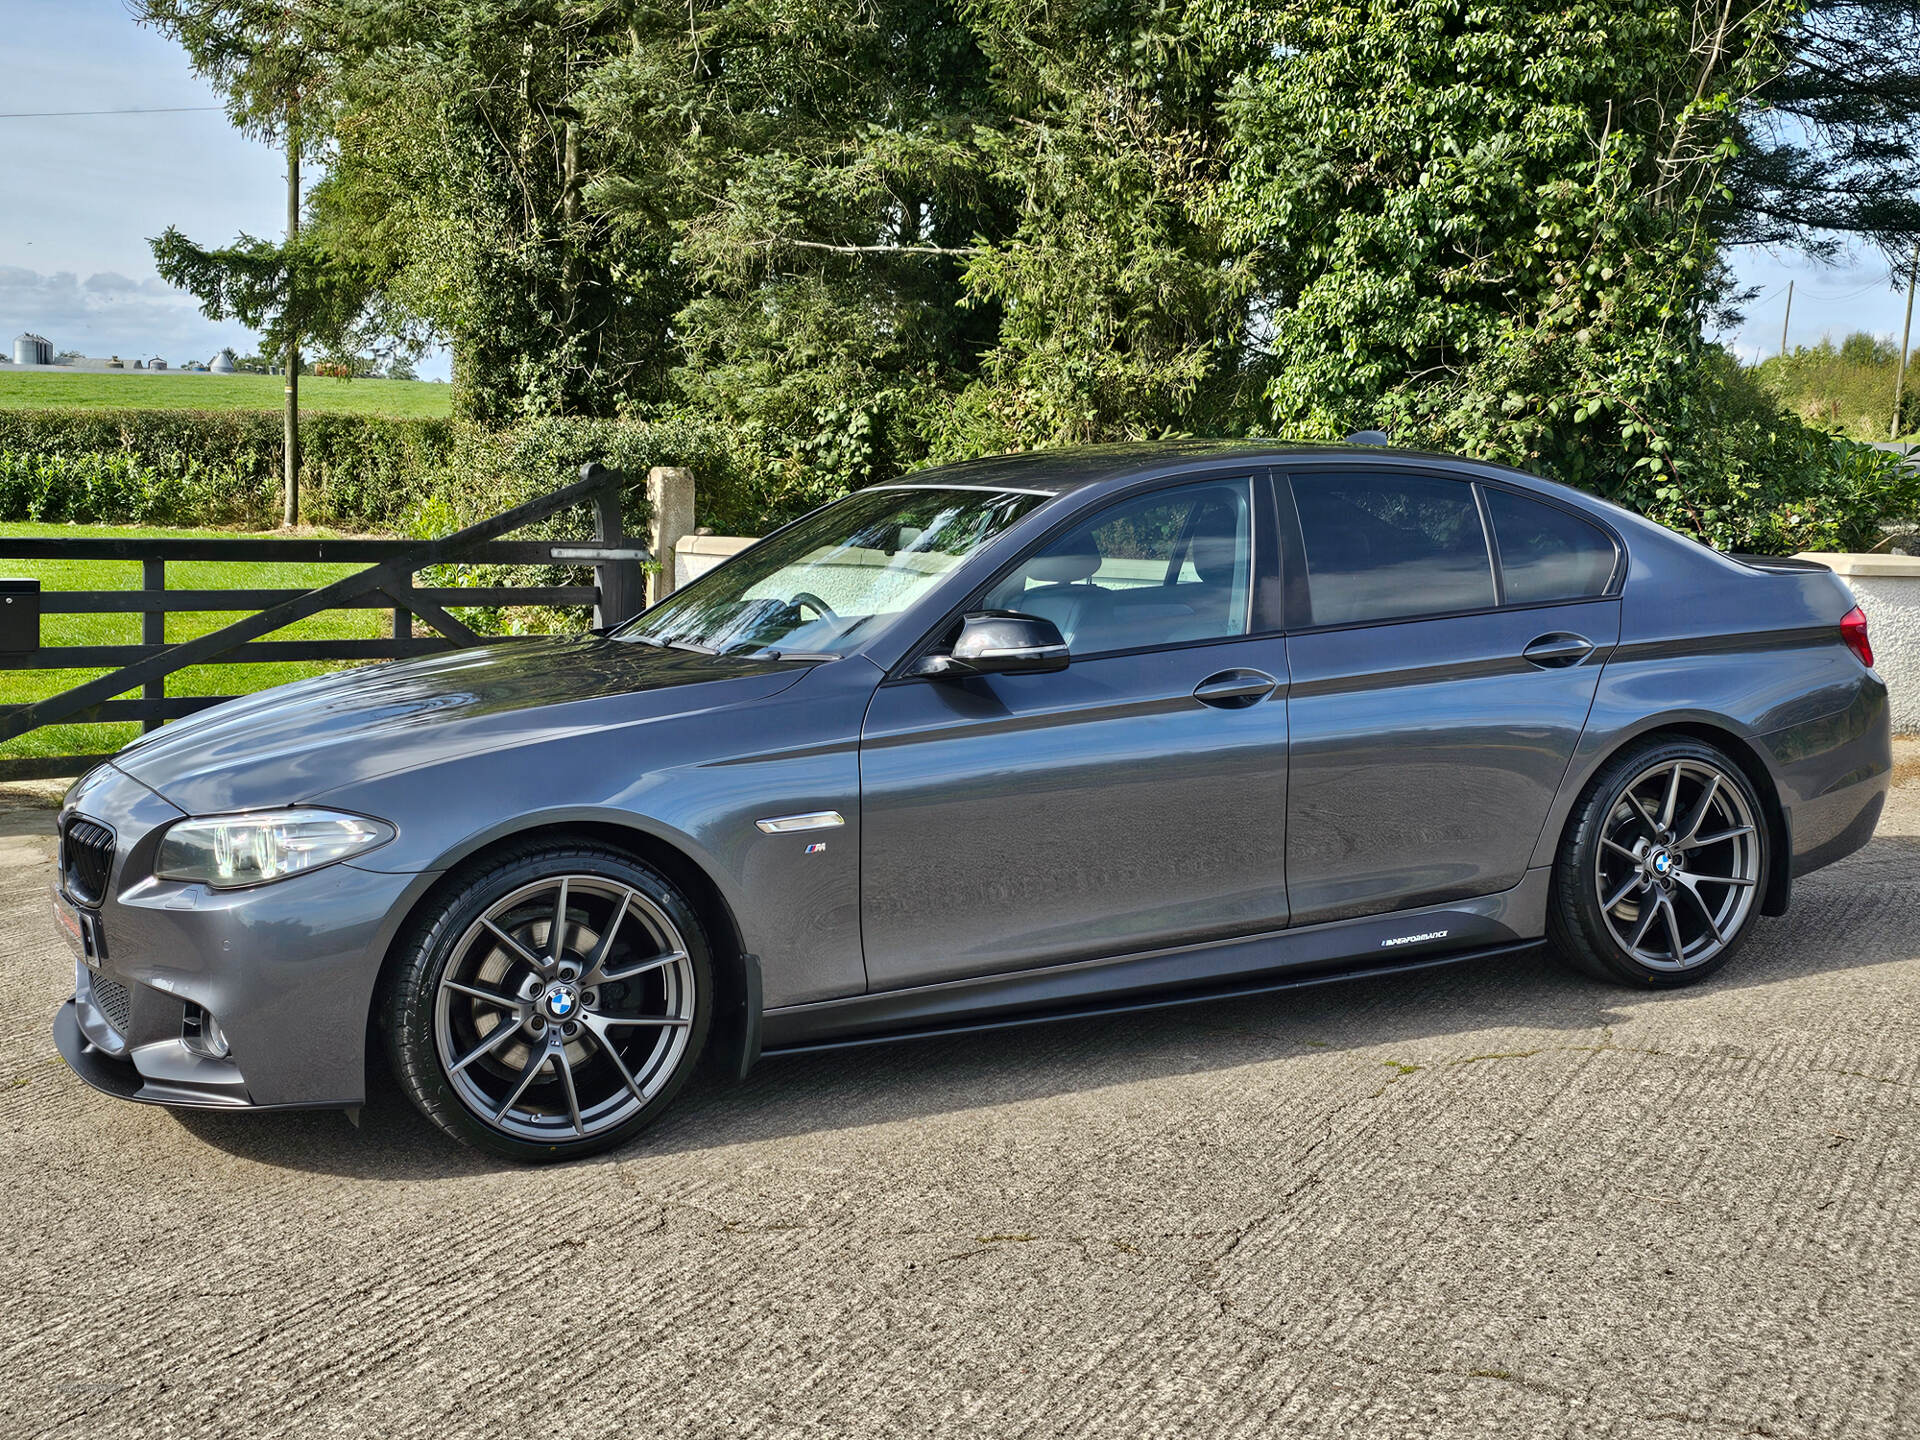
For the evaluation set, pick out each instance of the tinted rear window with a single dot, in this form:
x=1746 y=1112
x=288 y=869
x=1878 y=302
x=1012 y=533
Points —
x=1546 y=553
x=1385 y=546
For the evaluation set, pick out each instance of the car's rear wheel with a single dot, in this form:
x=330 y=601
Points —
x=552 y=1003
x=1663 y=868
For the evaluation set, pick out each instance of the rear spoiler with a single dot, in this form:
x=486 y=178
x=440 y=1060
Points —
x=1779 y=564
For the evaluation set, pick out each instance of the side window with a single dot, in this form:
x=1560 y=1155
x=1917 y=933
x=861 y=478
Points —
x=1171 y=566
x=1545 y=553
x=1382 y=546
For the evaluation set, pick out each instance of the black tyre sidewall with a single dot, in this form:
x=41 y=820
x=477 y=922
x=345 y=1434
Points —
x=407 y=1011
x=1574 y=923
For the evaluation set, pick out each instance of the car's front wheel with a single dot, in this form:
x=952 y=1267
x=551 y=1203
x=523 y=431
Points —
x=1663 y=867
x=551 y=1003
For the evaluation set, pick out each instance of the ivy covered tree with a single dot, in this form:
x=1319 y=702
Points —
x=1492 y=228
x=461 y=169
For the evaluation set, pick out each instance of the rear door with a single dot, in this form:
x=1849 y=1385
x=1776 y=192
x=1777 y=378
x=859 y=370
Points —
x=1446 y=639
x=1133 y=800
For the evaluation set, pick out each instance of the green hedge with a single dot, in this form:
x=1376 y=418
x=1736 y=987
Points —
x=358 y=473
x=1777 y=486
x=201 y=467
x=422 y=477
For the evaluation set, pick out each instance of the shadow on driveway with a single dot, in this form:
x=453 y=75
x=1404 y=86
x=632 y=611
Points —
x=1869 y=896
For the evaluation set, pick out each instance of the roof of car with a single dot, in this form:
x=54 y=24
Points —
x=1056 y=472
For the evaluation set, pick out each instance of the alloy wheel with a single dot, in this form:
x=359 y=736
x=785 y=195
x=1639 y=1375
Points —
x=564 y=1008
x=1678 y=864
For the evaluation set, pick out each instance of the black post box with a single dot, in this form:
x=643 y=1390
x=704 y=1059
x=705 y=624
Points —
x=19 y=615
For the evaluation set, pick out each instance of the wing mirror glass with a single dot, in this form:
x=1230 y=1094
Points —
x=1000 y=642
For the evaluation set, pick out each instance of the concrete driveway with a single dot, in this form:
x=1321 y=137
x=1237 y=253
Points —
x=1498 y=1200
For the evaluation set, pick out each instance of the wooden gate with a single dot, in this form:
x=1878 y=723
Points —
x=387 y=584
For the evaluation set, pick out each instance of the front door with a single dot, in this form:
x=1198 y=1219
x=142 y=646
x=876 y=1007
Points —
x=1445 y=654
x=1136 y=799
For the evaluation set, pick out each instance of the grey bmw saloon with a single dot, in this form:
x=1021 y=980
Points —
x=1008 y=741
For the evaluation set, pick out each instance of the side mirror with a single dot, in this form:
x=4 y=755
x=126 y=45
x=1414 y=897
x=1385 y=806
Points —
x=1001 y=642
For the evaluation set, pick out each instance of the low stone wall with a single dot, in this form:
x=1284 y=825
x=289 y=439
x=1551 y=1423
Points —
x=694 y=555
x=1888 y=589
x=1887 y=586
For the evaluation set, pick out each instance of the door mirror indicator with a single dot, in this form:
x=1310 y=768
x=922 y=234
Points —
x=1000 y=642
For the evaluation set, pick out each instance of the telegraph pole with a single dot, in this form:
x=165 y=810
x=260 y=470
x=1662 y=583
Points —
x=1786 y=319
x=1906 y=338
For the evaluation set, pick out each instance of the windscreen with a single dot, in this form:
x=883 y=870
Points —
x=834 y=580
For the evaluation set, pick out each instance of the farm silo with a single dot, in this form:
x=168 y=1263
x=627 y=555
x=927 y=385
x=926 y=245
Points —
x=31 y=349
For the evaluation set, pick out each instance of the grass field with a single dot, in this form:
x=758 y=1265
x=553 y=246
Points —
x=18 y=686
x=178 y=390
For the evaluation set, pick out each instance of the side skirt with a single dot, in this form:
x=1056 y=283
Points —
x=1315 y=954
x=1161 y=1002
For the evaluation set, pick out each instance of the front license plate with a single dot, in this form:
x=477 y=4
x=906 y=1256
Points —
x=82 y=930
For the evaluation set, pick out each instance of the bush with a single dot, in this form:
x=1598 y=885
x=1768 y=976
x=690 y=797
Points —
x=486 y=472
x=422 y=477
x=1725 y=463
x=1759 y=480
x=1849 y=389
x=358 y=473
x=221 y=468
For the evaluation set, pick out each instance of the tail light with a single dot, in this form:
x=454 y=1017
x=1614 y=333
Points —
x=1853 y=630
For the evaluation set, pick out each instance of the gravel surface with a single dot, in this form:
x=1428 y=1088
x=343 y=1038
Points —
x=1498 y=1200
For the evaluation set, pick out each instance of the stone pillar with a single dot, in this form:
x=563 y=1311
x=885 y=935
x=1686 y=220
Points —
x=670 y=493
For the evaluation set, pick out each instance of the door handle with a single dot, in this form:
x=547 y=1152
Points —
x=1235 y=689
x=1557 y=651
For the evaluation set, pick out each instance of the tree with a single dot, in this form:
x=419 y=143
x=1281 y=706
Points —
x=285 y=291
x=1123 y=310
x=460 y=172
x=860 y=236
x=270 y=59
x=1831 y=143
x=914 y=228
x=811 y=172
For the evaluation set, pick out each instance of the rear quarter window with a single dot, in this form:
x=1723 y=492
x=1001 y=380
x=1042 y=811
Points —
x=1547 y=553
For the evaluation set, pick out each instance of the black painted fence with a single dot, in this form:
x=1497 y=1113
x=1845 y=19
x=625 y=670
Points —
x=387 y=584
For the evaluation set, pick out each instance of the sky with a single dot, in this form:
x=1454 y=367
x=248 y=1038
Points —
x=81 y=194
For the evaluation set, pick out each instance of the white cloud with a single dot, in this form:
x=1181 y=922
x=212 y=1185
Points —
x=108 y=313
x=108 y=283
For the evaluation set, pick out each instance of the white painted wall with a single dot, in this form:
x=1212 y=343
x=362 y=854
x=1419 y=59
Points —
x=1887 y=586
x=694 y=555
x=1888 y=589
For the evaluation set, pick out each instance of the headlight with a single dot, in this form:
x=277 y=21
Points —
x=229 y=851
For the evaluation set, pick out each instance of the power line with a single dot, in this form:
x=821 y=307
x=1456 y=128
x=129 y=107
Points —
x=66 y=114
x=1851 y=294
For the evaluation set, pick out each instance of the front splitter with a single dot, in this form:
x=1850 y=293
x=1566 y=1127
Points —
x=119 y=1079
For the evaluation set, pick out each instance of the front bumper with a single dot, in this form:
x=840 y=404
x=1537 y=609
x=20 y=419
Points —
x=125 y=1077
x=288 y=970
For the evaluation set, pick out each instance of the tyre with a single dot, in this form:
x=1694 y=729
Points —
x=551 y=1003
x=1663 y=867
